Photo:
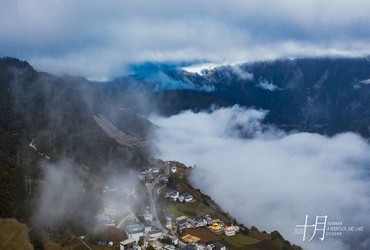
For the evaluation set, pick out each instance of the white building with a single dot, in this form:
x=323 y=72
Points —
x=146 y=214
x=169 y=221
x=135 y=231
x=105 y=220
x=182 y=223
x=155 y=170
x=230 y=231
x=216 y=246
x=199 y=221
x=188 y=197
x=185 y=198
x=174 y=194
x=155 y=234
x=126 y=244
x=173 y=169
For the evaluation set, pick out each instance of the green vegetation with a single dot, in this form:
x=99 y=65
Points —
x=259 y=235
x=193 y=209
x=239 y=241
x=179 y=209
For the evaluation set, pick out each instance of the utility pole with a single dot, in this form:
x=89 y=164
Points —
x=28 y=182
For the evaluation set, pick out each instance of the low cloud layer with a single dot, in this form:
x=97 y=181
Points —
x=64 y=197
x=99 y=39
x=272 y=179
x=72 y=196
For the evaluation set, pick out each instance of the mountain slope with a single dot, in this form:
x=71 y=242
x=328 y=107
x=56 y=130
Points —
x=48 y=118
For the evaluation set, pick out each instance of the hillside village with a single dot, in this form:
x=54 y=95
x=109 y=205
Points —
x=173 y=215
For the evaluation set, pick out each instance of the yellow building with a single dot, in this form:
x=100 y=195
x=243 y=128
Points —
x=190 y=239
x=216 y=227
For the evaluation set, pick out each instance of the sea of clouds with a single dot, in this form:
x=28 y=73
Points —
x=270 y=178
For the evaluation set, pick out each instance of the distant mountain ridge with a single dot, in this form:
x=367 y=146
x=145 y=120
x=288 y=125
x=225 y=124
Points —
x=324 y=95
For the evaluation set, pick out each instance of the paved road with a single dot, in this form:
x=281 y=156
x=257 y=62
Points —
x=84 y=243
x=167 y=168
x=153 y=208
x=120 y=224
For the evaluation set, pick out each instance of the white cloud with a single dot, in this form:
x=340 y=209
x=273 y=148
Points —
x=273 y=179
x=66 y=195
x=244 y=75
x=200 y=68
x=61 y=192
x=365 y=82
x=263 y=84
x=98 y=39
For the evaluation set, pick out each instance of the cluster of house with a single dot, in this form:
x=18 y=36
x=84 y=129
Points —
x=214 y=225
x=175 y=196
x=135 y=229
x=110 y=212
x=149 y=174
x=146 y=230
x=146 y=214
x=129 y=244
x=218 y=227
x=195 y=246
x=151 y=234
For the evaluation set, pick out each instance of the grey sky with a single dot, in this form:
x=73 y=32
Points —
x=100 y=38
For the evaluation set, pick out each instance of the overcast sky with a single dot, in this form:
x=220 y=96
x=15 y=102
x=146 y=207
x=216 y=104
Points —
x=101 y=38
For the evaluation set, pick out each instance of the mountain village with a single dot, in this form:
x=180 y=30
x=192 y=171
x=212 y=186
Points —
x=174 y=216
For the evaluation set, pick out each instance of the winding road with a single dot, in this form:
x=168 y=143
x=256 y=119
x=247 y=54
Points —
x=153 y=208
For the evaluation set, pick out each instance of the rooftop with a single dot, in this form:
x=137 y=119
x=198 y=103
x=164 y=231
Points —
x=230 y=228
x=134 y=228
x=190 y=238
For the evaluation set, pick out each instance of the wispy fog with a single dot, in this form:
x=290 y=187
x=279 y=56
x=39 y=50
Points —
x=63 y=195
x=272 y=179
x=263 y=84
x=71 y=196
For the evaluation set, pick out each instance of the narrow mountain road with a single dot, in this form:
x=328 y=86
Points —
x=82 y=238
x=153 y=207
